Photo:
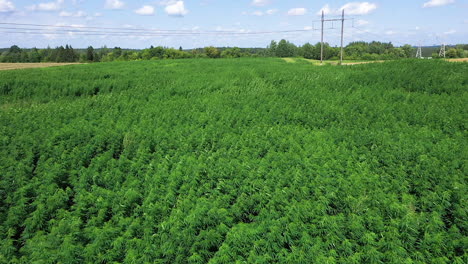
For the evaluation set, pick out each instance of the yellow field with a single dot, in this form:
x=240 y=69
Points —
x=15 y=66
x=459 y=60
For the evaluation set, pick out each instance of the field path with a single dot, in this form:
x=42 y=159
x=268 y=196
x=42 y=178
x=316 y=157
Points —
x=363 y=62
x=328 y=62
x=289 y=60
x=16 y=66
x=458 y=60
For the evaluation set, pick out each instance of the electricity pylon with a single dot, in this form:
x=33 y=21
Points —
x=442 y=51
x=419 y=52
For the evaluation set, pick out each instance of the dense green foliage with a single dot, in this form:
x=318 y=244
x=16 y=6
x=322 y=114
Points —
x=234 y=161
x=360 y=50
x=353 y=51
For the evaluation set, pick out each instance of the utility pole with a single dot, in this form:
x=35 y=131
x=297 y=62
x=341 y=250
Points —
x=442 y=51
x=321 y=42
x=342 y=33
x=342 y=19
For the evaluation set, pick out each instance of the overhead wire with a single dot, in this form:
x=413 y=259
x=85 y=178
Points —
x=140 y=30
x=71 y=30
x=123 y=34
x=83 y=30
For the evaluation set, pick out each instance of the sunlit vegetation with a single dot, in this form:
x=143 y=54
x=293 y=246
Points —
x=234 y=161
x=374 y=50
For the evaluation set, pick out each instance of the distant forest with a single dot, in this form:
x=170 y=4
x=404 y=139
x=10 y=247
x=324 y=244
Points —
x=353 y=51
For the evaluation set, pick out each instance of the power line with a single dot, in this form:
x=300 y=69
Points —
x=46 y=31
x=91 y=34
x=107 y=28
x=124 y=34
x=141 y=30
x=77 y=31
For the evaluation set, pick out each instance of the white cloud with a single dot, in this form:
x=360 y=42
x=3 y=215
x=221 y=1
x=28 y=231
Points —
x=308 y=28
x=450 y=32
x=358 y=8
x=261 y=13
x=326 y=10
x=114 y=4
x=433 y=3
x=176 y=8
x=354 y=8
x=297 y=11
x=49 y=6
x=257 y=13
x=146 y=10
x=390 y=32
x=71 y=14
x=65 y=14
x=260 y=2
x=6 y=6
x=272 y=11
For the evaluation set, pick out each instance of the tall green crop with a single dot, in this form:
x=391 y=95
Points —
x=234 y=161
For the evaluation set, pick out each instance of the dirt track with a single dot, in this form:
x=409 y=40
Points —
x=363 y=62
x=16 y=66
x=459 y=60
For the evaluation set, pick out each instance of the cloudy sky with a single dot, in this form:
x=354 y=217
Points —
x=243 y=23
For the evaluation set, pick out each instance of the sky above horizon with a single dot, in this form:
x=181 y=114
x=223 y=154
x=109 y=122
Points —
x=199 y=23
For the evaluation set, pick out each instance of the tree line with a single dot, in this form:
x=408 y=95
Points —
x=360 y=50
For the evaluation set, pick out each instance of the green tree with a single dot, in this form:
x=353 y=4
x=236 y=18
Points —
x=212 y=52
x=117 y=52
x=13 y=54
x=271 y=49
x=103 y=51
x=90 y=54
x=34 y=55
x=15 y=49
x=232 y=53
x=134 y=56
x=285 y=49
x=452 y=53
x=409 y=50
x=308 y=51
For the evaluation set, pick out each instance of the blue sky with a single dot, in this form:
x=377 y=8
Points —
x=425 y=22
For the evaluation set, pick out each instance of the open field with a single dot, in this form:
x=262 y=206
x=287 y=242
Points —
x=16 y=66
x=234 y=161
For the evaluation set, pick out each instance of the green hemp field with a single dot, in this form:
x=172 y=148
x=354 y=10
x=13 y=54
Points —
x=234 y=161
